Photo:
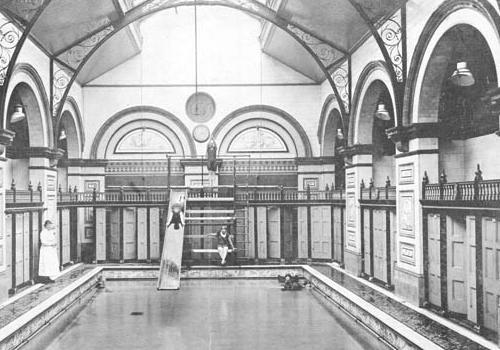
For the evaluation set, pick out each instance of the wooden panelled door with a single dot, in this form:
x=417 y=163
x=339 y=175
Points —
x=100 y=234
x=434 y=262
x=19 y=259
x=129 y=234
x=470 y=263
x=262 y=231
x=491 y=271
x=66 y=242
x=26 y=247
x=36 y=241
x=302 y=232
x=289 y=233
x=251 y=232
x=366 y=241
x=321 y=232
x=380 y=249
x=115 y=228
x=154 y=233
x=337 y=234
x=456 y=268
x=142 y=233
x=274 y=232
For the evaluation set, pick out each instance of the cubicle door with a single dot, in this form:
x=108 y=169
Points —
x=470 y=263
x=380 y=247
x=274 y=232
x=338 y=230
x=367 y=237
x=154 y=233
x=321 y=232
x=142 y=232
x=26 y=247
x=262 y=232
x=19 y=258
x=491 y=271
x=302 y=232
x=434 y=267
x=115 y=228
x=456 y=269
x=129 y=234
x=65 y=243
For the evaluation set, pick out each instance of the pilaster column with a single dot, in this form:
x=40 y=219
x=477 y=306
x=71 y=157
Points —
x=6 y=137
x=43 y=171
x=359 y=168
x=421 y=154
x=315 y=173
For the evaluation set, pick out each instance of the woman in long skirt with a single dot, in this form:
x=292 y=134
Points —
x=49 y=261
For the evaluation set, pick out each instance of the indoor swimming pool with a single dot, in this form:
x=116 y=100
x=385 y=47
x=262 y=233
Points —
x=211 y=314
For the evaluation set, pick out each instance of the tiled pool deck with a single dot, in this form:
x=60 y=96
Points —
x=432 y=330
x=423 y=325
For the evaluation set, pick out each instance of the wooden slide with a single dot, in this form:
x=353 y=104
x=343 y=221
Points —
x=171 y=257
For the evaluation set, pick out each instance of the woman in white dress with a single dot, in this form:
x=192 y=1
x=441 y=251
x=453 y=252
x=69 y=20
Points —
x=49 y=262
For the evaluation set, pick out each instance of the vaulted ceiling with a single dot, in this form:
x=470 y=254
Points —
x=70 y=29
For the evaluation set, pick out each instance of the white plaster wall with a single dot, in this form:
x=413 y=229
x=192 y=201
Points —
x=229 y=70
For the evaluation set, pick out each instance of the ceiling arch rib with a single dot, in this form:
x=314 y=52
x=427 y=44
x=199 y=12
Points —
x=16 y=21
x=76 y=56
x=389 y=31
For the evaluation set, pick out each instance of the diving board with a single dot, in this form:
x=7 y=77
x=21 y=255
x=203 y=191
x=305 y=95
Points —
x=171 y=257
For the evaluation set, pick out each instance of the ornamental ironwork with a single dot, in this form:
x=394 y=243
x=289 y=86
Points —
x=10 y=35
x=340 y=78
x=326 y=54
x=60 y=82
x=391 y=34
x=77 y=54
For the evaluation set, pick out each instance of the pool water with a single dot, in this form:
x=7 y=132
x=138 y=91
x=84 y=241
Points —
x=211 y=314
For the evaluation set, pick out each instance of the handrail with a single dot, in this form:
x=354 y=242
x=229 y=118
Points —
x=479 y=190
x=240 y=194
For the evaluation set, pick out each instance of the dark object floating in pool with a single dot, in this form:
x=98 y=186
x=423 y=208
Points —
x=290 y=282
x=136 y=313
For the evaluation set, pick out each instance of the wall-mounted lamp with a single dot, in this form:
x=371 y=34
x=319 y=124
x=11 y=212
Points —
x=340 y=134
x=382 y=113
x=18 y=114
x=462 y=76
x=62 y=135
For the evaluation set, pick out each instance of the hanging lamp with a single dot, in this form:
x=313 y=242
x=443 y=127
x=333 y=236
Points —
x=382 y=113
x=18 y=114
x=462 y=76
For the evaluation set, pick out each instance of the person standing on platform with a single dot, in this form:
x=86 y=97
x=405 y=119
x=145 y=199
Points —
x=224 y=242
x=212 y=161
x=48 y=268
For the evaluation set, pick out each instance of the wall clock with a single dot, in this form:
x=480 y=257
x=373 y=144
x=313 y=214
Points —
x=200 y=107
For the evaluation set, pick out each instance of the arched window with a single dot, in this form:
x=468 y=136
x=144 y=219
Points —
x=144 y=140
x=258 y=139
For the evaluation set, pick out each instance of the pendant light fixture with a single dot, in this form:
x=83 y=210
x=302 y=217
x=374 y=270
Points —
x=18 y=114
x=382 y=113
x=340 y=134
x=462 y=76
x=62 y=135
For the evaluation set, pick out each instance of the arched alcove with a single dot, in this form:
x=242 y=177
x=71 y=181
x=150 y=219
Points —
x=127 y=121
x=374 y=90
x=278 y=125
x=465 y=121
x=28 y=132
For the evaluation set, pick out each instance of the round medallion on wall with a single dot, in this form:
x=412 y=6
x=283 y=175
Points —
x=200 y=107
x=201 y=133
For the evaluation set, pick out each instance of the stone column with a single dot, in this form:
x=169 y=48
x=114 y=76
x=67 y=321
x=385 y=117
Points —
x=419 y=155
x=358 y=168
x=6 y=137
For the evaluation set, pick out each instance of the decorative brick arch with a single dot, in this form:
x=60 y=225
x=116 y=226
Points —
x=155 y=116
x=71 y=120
x=284 y=123
x=36 y=103
x=374 y=77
